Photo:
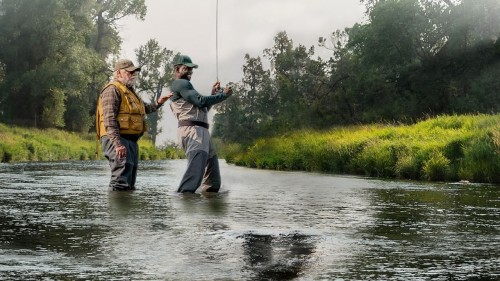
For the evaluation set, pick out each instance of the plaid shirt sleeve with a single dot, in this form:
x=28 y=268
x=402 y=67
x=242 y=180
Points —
x=111 y=99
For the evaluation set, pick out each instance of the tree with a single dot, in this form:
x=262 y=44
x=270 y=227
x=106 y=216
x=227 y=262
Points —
x=299 y=80
x=106 y=39
x=43 y=51
x=273 y=101
x=421 y=57
x=337 y=104
x=156 y=74
x=472 y=32
x=53 y=57
x=389 y=51
x=249 y=113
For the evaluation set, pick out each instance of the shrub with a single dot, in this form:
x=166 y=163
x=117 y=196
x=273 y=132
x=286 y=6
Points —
x=441 y=148
x=84 y=155
x=481 y=161
x=437 y=167
x=377 y=160
x=407 y=166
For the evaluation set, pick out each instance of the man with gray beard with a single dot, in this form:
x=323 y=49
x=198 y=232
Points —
x=120 y=122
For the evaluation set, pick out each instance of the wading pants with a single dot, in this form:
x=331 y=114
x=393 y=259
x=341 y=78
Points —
x=123 y=171
x=203 y=164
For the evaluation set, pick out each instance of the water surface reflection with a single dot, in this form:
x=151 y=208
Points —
x=59 y=222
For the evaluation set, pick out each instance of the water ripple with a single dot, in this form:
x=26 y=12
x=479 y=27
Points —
x=58 y=221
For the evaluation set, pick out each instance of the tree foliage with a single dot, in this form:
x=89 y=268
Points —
x=156 y=75
x=252 y=109
x=106 y=13
x=53 y=58
x=410 y=60
x=43 y=50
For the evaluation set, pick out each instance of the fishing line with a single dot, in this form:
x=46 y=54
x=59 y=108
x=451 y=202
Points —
x=217 y=39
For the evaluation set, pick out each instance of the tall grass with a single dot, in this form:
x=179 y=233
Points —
x=147 y=151
x=445 y=148
x=19 y=144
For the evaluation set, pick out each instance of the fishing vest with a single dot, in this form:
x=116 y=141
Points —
x=131 y=115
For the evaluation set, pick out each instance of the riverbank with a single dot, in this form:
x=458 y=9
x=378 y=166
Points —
x=18 y=144
x=445 y=148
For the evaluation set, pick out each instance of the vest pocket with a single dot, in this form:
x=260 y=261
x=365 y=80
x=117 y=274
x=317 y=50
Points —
x=136 y=123
x=131 y=124
x=124 y=122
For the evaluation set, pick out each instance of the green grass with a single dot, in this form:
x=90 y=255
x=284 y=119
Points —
x=18 y=144
x=445 y=148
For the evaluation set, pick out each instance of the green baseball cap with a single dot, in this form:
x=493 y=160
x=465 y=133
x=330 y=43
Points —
x=184 y=60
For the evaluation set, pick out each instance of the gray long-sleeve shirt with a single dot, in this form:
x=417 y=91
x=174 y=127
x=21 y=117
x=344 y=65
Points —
x=188 y=104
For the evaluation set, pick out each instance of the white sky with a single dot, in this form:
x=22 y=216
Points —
x=244 y=27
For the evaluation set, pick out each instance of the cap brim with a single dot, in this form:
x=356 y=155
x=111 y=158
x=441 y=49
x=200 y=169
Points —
x=191 y=65
x=133 y=68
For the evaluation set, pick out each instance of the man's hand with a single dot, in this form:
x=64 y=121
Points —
x=216 y=87
x=121 y=151
x=163 y=99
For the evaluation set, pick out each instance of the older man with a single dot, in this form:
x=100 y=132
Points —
x=120 y=122
x=191 y=110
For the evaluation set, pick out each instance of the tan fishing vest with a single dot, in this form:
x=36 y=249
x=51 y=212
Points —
x=131 y=115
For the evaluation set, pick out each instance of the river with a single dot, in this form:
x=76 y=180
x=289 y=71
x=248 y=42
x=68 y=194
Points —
x=58 y=221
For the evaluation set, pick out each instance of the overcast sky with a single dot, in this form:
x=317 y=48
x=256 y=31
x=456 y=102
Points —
x=244 y=27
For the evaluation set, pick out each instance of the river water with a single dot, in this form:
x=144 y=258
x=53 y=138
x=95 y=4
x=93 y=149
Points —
x=58 y=221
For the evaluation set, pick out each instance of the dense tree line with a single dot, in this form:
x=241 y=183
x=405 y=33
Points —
x=410 y=60
x=55 y=55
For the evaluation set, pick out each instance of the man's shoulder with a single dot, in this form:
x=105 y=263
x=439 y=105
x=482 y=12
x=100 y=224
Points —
x=111 y=85
x=179 y=84
x=110 y=90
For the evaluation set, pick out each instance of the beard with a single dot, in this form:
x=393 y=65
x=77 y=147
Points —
x=186 y=76
x=130 y=83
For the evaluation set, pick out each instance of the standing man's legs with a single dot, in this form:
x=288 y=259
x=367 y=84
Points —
x=123 y=173
x=195 y=141
x=133 y=160
x=212 y=178
x=193 y=176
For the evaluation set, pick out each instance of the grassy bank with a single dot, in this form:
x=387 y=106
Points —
x=19 y=144
x=446 y=148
